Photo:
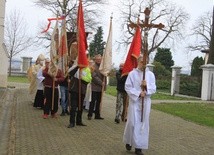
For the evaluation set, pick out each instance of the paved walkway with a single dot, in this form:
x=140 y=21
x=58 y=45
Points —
x=23 y=131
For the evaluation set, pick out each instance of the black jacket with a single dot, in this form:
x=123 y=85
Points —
x=120 y=81
x=74 y=85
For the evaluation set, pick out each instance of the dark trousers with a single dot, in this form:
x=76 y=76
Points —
x=74 y=100
x=48 y=103
x=39 y=99
x=95 y=100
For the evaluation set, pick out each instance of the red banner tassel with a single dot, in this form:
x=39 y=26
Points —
x=47 y=27
x=49 y=24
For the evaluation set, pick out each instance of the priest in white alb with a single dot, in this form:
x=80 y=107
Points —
x=136 y=133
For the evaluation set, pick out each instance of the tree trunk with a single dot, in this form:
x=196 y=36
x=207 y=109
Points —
x=211 y=52
x=10 y=64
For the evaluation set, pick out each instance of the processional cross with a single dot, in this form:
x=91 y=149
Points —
x=146 y=26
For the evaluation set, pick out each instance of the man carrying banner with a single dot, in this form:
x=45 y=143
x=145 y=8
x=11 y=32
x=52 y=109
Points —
x=53 y=76
x=77 y=93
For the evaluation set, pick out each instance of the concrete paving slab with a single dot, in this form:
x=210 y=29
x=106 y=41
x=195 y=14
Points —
x=30 y=134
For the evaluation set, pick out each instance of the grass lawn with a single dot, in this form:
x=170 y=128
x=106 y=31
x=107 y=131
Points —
x=164 y=96
x=157 y=96
x=199 y=113
x=20 y=79
x=111 y=90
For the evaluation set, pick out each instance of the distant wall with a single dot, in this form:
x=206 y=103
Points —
x=3 y=55
x=17 y=68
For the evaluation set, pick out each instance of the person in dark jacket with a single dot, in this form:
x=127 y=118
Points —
x=122 y=101
x=77 y=96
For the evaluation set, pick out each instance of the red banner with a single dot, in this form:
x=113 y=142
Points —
x=133 y=54
x=81 y=38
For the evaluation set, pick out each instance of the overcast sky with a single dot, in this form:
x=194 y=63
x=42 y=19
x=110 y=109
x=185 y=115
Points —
x=33 y=15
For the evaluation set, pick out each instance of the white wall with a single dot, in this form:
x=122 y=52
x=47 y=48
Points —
x=207 y=91
x=3 y=55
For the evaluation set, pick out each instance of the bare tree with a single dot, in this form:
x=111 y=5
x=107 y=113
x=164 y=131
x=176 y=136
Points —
x=202 y=31
x=16 y=38
x=92 y=9
x=173 y=17
x=69 y=8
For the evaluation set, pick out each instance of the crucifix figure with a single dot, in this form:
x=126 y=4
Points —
x=145 y=26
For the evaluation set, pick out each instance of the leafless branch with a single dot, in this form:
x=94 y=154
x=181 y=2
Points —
x=173 y=17
x=16 y=38
x=202 y=31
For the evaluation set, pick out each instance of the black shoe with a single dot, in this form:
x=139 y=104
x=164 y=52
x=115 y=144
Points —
x=80 y=124
x=128 y=147
x=62 y=114
x=98 y=118
x=138 y=151
x=66 y=111
x=71 y=125
x=117 y=121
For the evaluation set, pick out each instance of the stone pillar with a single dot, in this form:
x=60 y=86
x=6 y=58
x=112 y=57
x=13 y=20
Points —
x=175 y=83
x=150 y=66
x=207 y=92
x=26 y=63
x=3 y=52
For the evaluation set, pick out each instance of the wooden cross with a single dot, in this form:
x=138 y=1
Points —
x=147 y=26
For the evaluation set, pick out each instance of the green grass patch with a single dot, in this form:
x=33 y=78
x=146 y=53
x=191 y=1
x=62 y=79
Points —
x=18 y=79
x=164 y=96
x=111 y=90
x=199 y=113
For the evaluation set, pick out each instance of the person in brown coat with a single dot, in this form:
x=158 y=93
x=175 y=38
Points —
x=98 y=82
